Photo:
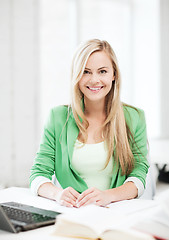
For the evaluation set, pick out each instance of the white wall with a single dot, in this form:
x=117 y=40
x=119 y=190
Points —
x=146 y=62
x=19 y=95
x=111 y=21
x=164 y=68
x=55 y=54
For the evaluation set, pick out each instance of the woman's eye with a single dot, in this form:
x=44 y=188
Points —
x=103 y=71
x=86 y=72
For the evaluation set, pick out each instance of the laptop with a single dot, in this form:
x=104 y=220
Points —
x=16 y=217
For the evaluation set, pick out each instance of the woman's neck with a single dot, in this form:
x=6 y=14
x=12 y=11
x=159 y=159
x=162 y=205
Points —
x=94 y=109
x=95 y=115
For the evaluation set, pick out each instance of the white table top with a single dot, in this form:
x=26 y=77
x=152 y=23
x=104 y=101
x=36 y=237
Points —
x=24 y=195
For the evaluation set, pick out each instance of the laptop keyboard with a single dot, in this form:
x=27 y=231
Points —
x=24 y=216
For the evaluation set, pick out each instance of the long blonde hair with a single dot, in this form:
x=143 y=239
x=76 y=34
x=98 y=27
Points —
x=115 y=130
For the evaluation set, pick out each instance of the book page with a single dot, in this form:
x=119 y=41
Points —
x=92 y=216
x=156 y=229
x=126 y=207
x=92 y=222
x=154 y=221
x=128 y=234
x=161 y=215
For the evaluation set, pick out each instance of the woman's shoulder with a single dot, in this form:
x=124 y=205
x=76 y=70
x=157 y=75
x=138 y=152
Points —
x=61 y=111
x=59 y=114
x=132 y=111
x=133 y=115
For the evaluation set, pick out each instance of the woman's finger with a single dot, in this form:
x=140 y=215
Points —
x=66 y=197
x=65 y=203
x=87 y=201
x=74 y=193
x=71 y=196
x=85 y=193
x=100 y=203
x=89 y=198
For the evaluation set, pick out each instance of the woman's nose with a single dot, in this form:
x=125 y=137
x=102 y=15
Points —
x=94 y=78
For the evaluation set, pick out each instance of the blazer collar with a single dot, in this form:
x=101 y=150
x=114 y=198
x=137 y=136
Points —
x=72 y=134
x=72 y=130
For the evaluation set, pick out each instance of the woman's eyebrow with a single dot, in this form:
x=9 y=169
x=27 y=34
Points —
x=98 y=68
x=102 y=67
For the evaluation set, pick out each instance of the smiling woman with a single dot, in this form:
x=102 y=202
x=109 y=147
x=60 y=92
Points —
x=95 y=84
x=97 y=146
x=97 y=78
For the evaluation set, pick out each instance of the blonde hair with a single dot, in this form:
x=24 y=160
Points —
x=115 y=130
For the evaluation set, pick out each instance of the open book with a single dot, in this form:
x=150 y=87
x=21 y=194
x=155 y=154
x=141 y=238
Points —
x=92 y=222
x=155 y=222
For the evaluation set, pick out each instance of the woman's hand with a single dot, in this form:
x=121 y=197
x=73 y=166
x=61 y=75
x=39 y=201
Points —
x=71 y=198
x=94 y=195
x=67 y=197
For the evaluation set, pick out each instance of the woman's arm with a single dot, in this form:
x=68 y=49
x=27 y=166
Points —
x=102 y=198
x=124 y=192
x=44 y=166
x=140 y=149
x=66 y=197
x=44 y=162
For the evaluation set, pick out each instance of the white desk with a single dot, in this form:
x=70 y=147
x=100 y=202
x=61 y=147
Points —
x=24 y=196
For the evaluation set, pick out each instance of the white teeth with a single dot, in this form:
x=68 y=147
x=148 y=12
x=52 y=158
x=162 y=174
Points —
x=94 y=89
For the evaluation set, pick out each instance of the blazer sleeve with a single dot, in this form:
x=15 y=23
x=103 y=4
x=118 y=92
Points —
x=45 y=158
x=139 y=149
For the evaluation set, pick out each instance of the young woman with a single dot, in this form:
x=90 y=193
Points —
x=97 y=146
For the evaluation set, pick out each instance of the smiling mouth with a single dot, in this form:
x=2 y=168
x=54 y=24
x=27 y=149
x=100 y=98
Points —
x=94 y=88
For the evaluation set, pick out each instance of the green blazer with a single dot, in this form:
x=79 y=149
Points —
x=56 y=149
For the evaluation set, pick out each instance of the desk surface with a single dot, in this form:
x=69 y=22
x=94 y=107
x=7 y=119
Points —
x=24 y=195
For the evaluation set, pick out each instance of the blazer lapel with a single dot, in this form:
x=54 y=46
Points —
x=72 y=134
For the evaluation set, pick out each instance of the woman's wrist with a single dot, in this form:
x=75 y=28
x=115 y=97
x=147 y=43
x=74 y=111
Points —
x=123 y=192
x=111 y=195
x=49 y=190
x=57 y=194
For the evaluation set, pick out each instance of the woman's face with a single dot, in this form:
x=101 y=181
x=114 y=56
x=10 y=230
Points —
x=97 y=78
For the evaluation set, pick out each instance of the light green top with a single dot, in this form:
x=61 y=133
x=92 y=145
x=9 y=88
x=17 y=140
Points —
x=89 y=162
